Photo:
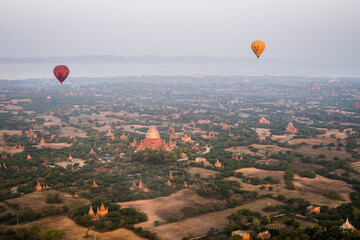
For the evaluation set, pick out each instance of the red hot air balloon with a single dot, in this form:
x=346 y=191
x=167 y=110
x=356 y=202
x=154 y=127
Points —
x=61 y=72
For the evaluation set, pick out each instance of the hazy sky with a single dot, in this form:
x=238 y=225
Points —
x=298 y=29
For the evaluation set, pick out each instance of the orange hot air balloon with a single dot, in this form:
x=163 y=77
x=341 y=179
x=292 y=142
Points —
x=258 y=47
x=61 y=72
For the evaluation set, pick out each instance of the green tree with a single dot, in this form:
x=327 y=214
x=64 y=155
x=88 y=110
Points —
x=289 y=175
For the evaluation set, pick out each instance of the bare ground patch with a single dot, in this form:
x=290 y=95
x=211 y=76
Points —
x=54 y=145
x=63 y=164
x=261 y=149
x=164 y=207
x=262 y=132
x=37 y=200
x=298 y=166
x=76 y=232
x=67 y=131
x=280 y=189
x=204 y=173
x=202 y=224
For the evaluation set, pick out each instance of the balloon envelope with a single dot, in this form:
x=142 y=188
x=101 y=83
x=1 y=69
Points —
x=258 y=47
x=61 y=72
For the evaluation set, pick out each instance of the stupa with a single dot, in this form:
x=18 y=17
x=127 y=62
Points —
x=312 y=86
x=218 y=164
x=186 y=138
x=290 y=128
x=42 y=141
x=264 y=121
x=152 y=141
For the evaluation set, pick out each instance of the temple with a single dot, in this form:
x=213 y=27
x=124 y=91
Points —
x=264 y=121
x=243 y=234
x=42 y=141
x=141 y=187
x=70 y=158
x=171 y=177
x=28 y=157
x=30 y=134
x=312 y=86
x=313 y=209
x=209 y=136
x=123 y=137
x=224 y=126
x=92 y=152
x=218 y=164
x=186 y=138
x=347 y=226
x=357 y=105
x=173 y=134
x=153 y=141
x=290 y=128
x=100 y=212
x=94 y=185
x=264 y=235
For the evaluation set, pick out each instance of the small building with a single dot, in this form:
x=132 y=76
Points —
x=200 y=159
x=243 y=234
x=313 y=209
x=264 y=235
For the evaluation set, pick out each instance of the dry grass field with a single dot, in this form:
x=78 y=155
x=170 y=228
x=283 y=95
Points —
x=329 y=154
x=36 y=201
x=262 y=132
x=76 y=232
x=262 y=149
x=67 y=131
x=299 y=166
x=53 y=145
x=202 y=224
x=75 y=160
x=356 y=166
x=307 y=188
x=165 y=207
x=204 y=173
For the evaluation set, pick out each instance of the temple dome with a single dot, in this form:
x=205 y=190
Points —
x=152 y=133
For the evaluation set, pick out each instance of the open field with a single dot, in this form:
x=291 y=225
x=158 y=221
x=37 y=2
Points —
x=322 y=185
x=67 y=131
x=165 y=207
x=336 y=132
x=254 y=172
x=283 y=138
x=36 y=201
x=204 y=173
x=202 y=224
x=262 y=149
x=329 y=154
x=313 y=140
x=299 y=166
x=63 y=164
x=307 y=188
x=262 y=132
x=54 y=145
x=76 y=232
x=356 y=166
x=10 y=150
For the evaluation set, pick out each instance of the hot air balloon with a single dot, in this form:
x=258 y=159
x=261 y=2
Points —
x=61 y=72
x=258 y=47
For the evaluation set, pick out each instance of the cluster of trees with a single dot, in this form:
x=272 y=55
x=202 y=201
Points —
x=33 y=233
